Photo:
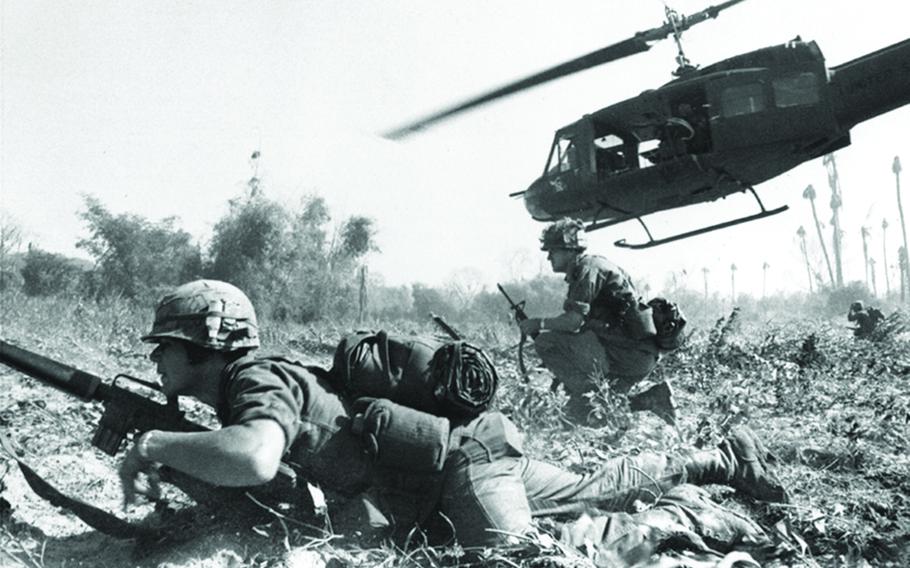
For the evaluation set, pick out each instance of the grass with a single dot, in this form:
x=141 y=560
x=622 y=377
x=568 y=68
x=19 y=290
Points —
x=834 y=409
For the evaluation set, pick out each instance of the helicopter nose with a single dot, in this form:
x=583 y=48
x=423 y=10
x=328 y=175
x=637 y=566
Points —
x=534 y=197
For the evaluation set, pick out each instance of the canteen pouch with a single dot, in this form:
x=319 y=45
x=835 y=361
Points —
x=638 y=321
x=399 y=437
x=669 y=322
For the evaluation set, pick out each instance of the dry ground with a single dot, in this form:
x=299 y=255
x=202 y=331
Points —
x=835 y=410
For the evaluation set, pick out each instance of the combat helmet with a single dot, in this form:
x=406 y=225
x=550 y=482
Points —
x=208 y=313
x=565 y=233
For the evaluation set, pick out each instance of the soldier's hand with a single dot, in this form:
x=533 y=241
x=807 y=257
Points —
x=138 y=475
x=530 y=326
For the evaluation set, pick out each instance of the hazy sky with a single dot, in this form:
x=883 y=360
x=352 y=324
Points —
x=155 y=108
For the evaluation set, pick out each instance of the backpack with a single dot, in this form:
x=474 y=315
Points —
x=669 y=322
x=401 y=368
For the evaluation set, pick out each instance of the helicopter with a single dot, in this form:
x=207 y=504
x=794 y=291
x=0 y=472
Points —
x=708 y=133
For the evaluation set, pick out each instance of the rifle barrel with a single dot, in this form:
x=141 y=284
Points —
x=58 y=375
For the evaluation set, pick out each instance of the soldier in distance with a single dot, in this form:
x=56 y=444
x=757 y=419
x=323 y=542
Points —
x=605 y=332
x=866 y=319
x=402 y=467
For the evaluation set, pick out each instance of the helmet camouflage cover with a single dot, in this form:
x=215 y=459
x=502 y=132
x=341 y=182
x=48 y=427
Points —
x=564 y=234
x=208 y=313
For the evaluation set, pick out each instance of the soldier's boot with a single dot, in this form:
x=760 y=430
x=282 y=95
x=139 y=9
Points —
x=740 y=461
x=659 y=400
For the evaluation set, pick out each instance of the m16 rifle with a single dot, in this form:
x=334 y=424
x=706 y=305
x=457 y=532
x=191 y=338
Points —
x=126 y=411
x=519 y=311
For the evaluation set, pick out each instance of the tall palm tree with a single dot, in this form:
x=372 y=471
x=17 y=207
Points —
x=809 y=193
x=801 y=233
x=896 y=168
x=885 y=257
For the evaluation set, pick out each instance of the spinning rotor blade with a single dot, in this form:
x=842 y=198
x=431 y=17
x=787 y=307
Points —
x=635 y=44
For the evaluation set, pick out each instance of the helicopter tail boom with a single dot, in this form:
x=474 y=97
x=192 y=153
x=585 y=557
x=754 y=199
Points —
x=872 y=84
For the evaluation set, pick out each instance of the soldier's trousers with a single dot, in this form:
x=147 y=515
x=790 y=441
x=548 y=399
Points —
x=486 y=500
x=580 y=360
x=490 y=502
x=685 y=515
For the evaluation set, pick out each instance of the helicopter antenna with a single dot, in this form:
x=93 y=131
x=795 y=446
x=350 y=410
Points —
x=675 y=20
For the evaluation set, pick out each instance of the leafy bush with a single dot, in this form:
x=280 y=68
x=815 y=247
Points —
x=292 y=265
x=135 y=257
x=47 y=273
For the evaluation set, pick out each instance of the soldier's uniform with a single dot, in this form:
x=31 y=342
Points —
x=476 y=475
x=617 y=339
x=486 y=482
x=866 y=319
x=603 y=293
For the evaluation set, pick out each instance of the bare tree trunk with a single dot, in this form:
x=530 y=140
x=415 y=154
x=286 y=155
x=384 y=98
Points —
x=836 y=203
x=802 y=246
x=764 y=279
x=362 y=297
x=732 y=284
x=809 y=193
x=885 y=257
x=864 y=232
x=904 y=267
x=872 y=272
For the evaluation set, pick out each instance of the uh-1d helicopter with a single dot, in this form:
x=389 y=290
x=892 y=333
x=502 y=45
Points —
x=709 y=133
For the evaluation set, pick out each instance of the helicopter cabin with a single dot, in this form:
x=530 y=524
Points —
x=773 y=96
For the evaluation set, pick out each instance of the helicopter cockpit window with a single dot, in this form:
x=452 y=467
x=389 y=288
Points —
x=742 y=99
x=795 y=90
x=564 y=156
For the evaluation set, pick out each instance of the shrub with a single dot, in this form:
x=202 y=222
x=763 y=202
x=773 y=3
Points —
x=47 y=273
x=135 y=257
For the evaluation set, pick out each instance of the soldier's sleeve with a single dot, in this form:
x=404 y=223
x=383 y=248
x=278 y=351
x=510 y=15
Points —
x=265 y=390
x=583 y=288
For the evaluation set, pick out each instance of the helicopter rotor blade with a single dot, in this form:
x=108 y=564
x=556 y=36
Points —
x=635 y=44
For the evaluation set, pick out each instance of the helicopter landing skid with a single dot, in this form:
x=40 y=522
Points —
x=652 y=242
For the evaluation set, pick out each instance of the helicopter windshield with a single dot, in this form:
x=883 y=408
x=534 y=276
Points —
x=563 y=156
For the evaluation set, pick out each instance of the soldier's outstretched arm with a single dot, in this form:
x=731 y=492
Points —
x=241 y=455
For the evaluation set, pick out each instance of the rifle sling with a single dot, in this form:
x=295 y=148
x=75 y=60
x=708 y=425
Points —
x=98 y=519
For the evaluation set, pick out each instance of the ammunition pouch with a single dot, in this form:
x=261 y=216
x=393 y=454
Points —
x=399 y=437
